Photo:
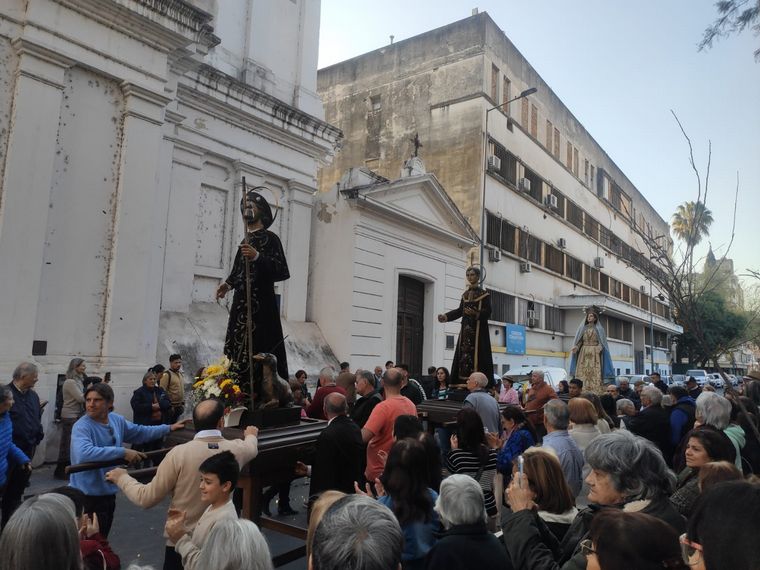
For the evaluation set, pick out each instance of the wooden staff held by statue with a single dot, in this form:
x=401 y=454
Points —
x=249 y=217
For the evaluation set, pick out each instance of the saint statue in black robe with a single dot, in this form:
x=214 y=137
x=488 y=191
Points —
x=268 y=265
x=473 y=350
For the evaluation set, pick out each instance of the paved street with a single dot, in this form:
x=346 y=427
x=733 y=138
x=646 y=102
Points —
x=137 y=534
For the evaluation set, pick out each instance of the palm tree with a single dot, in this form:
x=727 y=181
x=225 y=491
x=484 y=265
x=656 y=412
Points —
x=691 y=222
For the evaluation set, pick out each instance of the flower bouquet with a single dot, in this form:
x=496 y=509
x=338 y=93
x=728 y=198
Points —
x=219 y=382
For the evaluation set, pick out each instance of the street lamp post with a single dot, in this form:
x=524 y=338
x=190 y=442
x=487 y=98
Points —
x=651 y=324
x=651 y=328
x=485 y=167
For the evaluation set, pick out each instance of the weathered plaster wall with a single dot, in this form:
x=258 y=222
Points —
x=411 y=102
x=81 y=216
x=8 y=63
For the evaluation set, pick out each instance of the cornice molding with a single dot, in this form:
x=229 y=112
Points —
x=296 y=186
x=133 y=90
x=214 y=80
x=41 y=72
x=429 y=179
x=168 y=24
x=391 y=212
x=253 y=121
x=173 y=117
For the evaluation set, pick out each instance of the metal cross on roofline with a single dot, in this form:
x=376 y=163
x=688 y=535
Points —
x=417 y=144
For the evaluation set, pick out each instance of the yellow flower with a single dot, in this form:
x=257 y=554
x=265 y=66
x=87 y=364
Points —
x=236 y=389
x=225 y=383
x=198 y=384
x=213 y=370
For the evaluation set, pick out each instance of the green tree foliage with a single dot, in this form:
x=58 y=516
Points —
x=691 y=222
x=734 y=16
x=712 y=328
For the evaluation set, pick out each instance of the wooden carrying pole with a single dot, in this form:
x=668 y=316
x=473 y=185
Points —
x=80 y=467
x=248 y=297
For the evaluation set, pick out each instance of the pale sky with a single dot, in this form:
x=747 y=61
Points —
x=620 y=67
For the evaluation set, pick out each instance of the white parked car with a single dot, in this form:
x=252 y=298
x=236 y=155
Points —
x=679 y=379
x=699 y=375
x=716 y=380
x=633 y=378
x=552 y=376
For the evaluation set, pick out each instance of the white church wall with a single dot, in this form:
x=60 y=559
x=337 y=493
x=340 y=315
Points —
x=273 y=46
x=110 y=147
x=81 y=216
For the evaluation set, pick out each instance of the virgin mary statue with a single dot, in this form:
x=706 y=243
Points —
x=591 y=360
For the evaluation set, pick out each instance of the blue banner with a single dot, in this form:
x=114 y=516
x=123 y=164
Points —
x=515 y=339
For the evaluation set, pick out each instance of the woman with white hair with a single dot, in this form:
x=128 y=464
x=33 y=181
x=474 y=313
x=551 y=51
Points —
x=715 y=410
x=235 y=544
x=627 y=472
x=466 y=543
x=45 y=518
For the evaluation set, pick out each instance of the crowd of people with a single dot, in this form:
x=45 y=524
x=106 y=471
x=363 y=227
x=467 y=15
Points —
x=648 y=476
x=629 y=478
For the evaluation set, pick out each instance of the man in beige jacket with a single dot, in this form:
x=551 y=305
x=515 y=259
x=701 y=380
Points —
x=177 y=474
x=173 y=384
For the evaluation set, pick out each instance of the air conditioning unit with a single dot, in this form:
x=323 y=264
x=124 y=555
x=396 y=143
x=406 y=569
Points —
x=494 y=255
x=525 y=267
x=494 y=163
x=532 y=323
x=532 y=315
x=524 y=185
x=643 y=289
x=551 y=201
x=562 y=243
x=598 y=262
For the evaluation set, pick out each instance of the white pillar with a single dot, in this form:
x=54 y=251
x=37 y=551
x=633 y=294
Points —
x=186 y=172
x=25 y=192
x=300 y=205
x=131 y=321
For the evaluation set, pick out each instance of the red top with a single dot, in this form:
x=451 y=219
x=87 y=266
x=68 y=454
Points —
x=536 y=399
x=316 y=409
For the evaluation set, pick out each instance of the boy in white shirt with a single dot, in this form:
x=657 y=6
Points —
x=219 y=475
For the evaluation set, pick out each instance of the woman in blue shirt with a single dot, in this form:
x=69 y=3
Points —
x=10 y=455
x=407 y=494
x=520 y=435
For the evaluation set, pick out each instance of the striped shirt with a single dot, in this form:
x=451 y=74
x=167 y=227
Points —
x=468 y=463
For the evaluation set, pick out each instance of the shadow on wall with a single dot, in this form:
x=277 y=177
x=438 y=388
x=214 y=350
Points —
x=198 y=336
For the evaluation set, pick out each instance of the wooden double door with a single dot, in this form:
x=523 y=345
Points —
x=410 y=324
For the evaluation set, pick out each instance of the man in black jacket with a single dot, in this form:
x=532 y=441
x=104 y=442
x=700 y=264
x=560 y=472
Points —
x=27 y=432
x=693 y=388
x=366 y=397
x=653 y=422
x=339 y=451
x=658 y=382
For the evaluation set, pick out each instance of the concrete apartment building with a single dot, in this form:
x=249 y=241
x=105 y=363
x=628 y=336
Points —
x=562 y=221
